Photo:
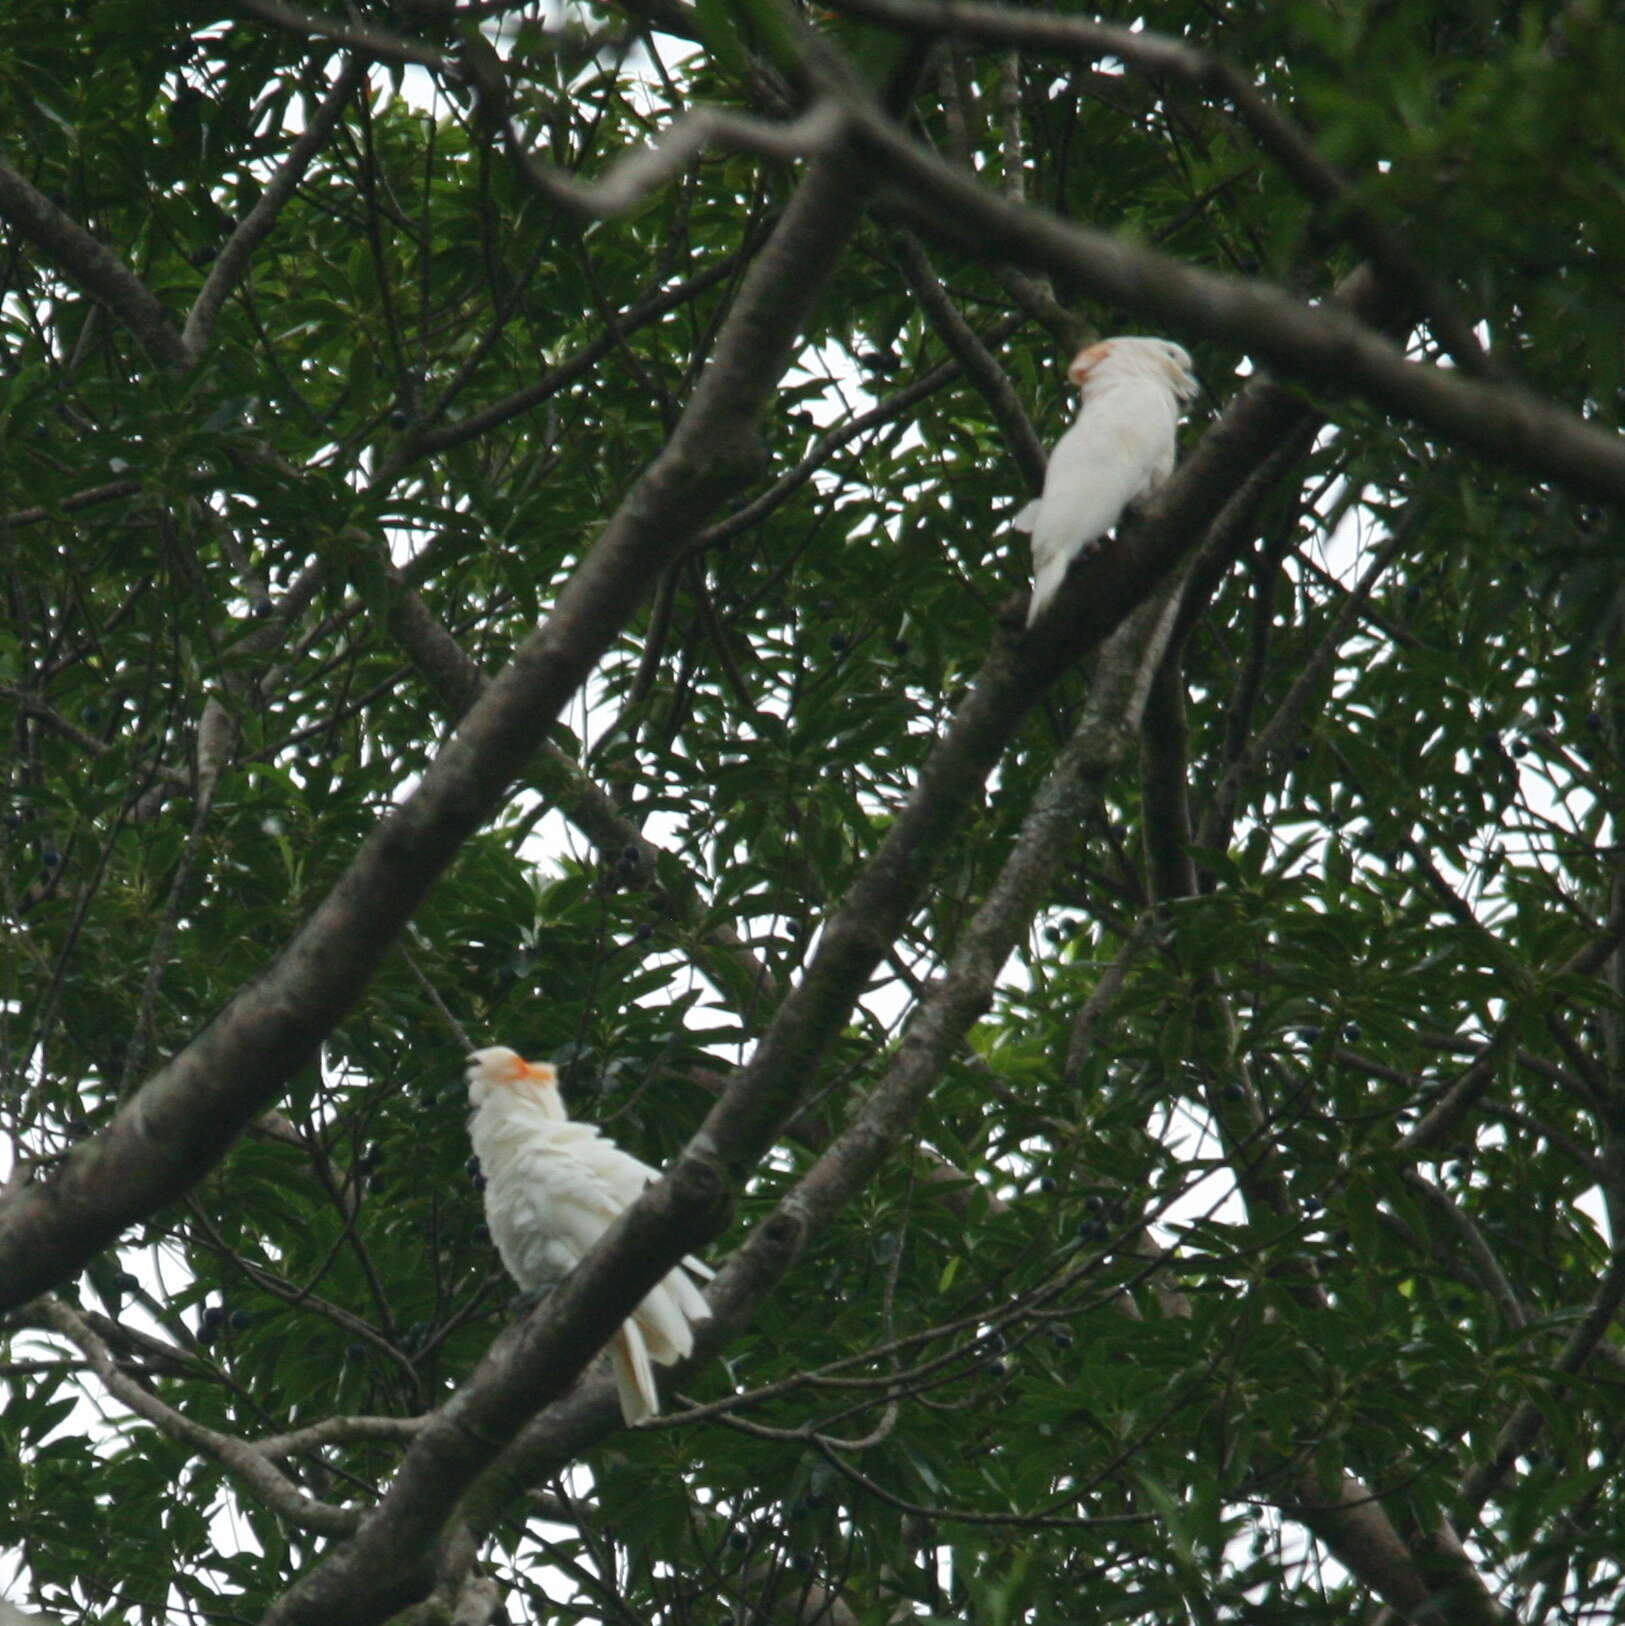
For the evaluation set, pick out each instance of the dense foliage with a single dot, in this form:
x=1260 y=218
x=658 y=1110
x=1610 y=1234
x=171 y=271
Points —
x=1250 y=1253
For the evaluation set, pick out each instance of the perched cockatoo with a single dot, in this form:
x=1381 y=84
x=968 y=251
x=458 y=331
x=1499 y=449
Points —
x=1119 y=449
x=552 y=1188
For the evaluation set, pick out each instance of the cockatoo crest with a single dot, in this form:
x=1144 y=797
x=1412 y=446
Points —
x=498 y=1067
x=552 y=1188
x=1119 y=449
x=1154 y=359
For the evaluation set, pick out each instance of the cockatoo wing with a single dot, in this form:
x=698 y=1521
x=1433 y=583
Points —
x=672 y=1303
x=553 y=1187
x=1027 y=516
x=1119 y=448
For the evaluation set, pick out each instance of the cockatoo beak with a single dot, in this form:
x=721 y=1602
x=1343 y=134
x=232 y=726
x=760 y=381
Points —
x=1086 y=361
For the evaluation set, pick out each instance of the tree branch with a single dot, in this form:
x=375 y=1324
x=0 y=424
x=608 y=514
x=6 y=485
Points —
x=97 y=269
x=246 y=1463
x=389 y=1563
x=1208 y=75
x=974 y=359
x=1321 y=346
x=232 y=262
x=183 y=1119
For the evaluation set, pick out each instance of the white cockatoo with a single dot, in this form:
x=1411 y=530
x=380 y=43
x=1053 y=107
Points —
x=552 y=1188
x=1119 y=449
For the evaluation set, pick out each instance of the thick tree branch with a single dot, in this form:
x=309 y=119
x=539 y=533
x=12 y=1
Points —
x=935 y=1031
x=1321 y=346
x=1207 y=75
x=392 y=1548
x=97 y=269
x=1248 y=434
x=388 y=1564
x=182 y=1120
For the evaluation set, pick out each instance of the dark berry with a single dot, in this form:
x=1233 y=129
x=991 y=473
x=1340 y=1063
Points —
x=1520 y=748
x=644 y=932
x=262 y=607
x=1047 y=1184
x=1300 y=753
x=93 y=715
x=1233 y=1091
x=630 y=857
x=241 y=1320
x=1060 y=1337
x=1309 y=1035
x=998 y=1368
x=899 y=646
x=213 y=1315
x=399 y=418
x=1351 y=1032
x=838 y=643
x=1413 y=592
x=739 y=1540
x=51 y=858
x=354 y=1352
x=1312 y=1205
x=207 y=1333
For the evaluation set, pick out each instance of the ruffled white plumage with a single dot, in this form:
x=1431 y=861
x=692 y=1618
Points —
x=553 y=1187
x=1118 y=450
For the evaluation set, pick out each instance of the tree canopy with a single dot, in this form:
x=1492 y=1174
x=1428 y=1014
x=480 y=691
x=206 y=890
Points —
x=506 y=521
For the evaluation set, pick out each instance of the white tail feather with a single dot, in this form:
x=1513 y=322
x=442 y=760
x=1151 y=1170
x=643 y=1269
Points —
x=634 y=1376
x=1046 y=583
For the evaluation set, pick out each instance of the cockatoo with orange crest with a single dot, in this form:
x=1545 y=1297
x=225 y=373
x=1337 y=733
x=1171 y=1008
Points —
x=552 y=1188
x=1119 y=449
